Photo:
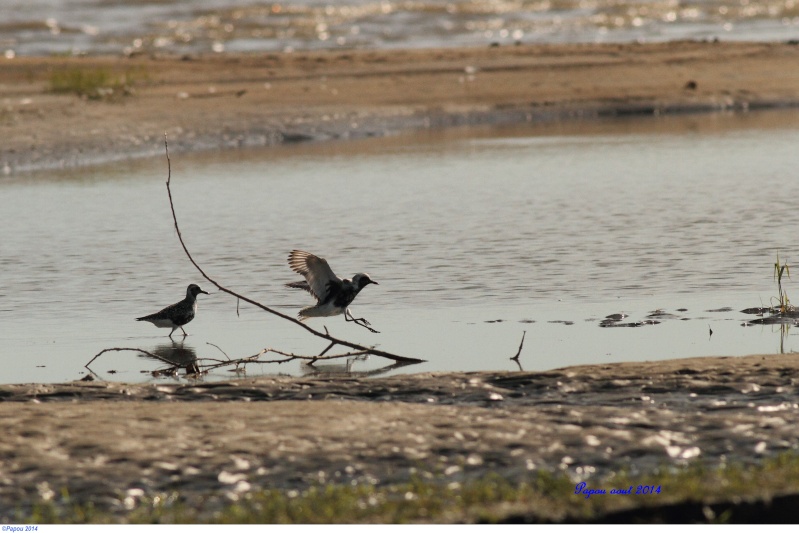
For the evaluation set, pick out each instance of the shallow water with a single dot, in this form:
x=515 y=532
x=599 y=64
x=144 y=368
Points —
x=475 y=237
x=101 y=26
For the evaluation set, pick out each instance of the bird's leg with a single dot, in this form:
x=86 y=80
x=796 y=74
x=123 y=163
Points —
x=173 y=331
x=349 y=318
x=184 y=331
x=360 y=321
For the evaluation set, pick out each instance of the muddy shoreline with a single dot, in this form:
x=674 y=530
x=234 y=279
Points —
x=231 y=101
x=214 y=441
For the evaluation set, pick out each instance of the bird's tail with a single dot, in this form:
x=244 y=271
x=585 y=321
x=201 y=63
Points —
x=311 y=312
x=299 y=285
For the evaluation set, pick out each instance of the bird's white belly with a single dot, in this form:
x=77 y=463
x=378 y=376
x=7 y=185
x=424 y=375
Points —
x=162 y=323
x=322 y=310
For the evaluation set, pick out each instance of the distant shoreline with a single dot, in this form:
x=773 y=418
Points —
x=248 y=100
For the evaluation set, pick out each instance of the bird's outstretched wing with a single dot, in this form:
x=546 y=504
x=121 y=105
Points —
x=316 y=272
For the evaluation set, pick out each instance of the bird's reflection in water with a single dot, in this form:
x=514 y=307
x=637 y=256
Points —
x=177 y=355
x=346 y=368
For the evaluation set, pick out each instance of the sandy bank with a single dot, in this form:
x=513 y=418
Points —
x=225 y=101
x=102 y=439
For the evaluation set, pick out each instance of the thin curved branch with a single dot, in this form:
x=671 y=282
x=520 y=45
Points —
x=220 y=349
x=326 y=336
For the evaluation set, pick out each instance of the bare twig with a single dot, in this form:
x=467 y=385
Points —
x=220 y=349
x=216 y=363
x=204 y=365
x=326 y=349
x=519 y=352
x=208 y=364
x=326 y=335
x=318 y=358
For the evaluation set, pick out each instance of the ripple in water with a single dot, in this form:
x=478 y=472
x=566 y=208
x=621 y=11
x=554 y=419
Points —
x=472 y=239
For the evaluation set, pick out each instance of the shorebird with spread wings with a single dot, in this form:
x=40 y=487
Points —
x=333 y=294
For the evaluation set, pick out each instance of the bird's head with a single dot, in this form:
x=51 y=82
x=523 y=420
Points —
x=362 y=280
x=194 y=290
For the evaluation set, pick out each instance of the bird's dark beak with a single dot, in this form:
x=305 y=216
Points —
x=376 y=283
x=202 y=291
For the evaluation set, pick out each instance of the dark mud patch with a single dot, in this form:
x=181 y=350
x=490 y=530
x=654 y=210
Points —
x=773 y=319
x=758 y=310
x=660 y=314
x=616 y=320
x=771 y=316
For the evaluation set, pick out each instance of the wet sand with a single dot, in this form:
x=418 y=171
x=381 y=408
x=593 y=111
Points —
x=228 y=101
x=210 y=441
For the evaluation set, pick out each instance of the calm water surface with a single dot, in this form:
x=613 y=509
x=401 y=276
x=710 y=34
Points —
x=474 y=236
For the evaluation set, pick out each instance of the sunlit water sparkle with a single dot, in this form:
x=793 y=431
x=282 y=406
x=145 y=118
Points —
x=97 y=26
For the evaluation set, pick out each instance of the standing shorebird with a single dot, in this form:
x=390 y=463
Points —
x=177 y=315
x=332 y=294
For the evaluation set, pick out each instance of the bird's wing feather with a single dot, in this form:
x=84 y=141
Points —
x=167 y=311
x=316 y=271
